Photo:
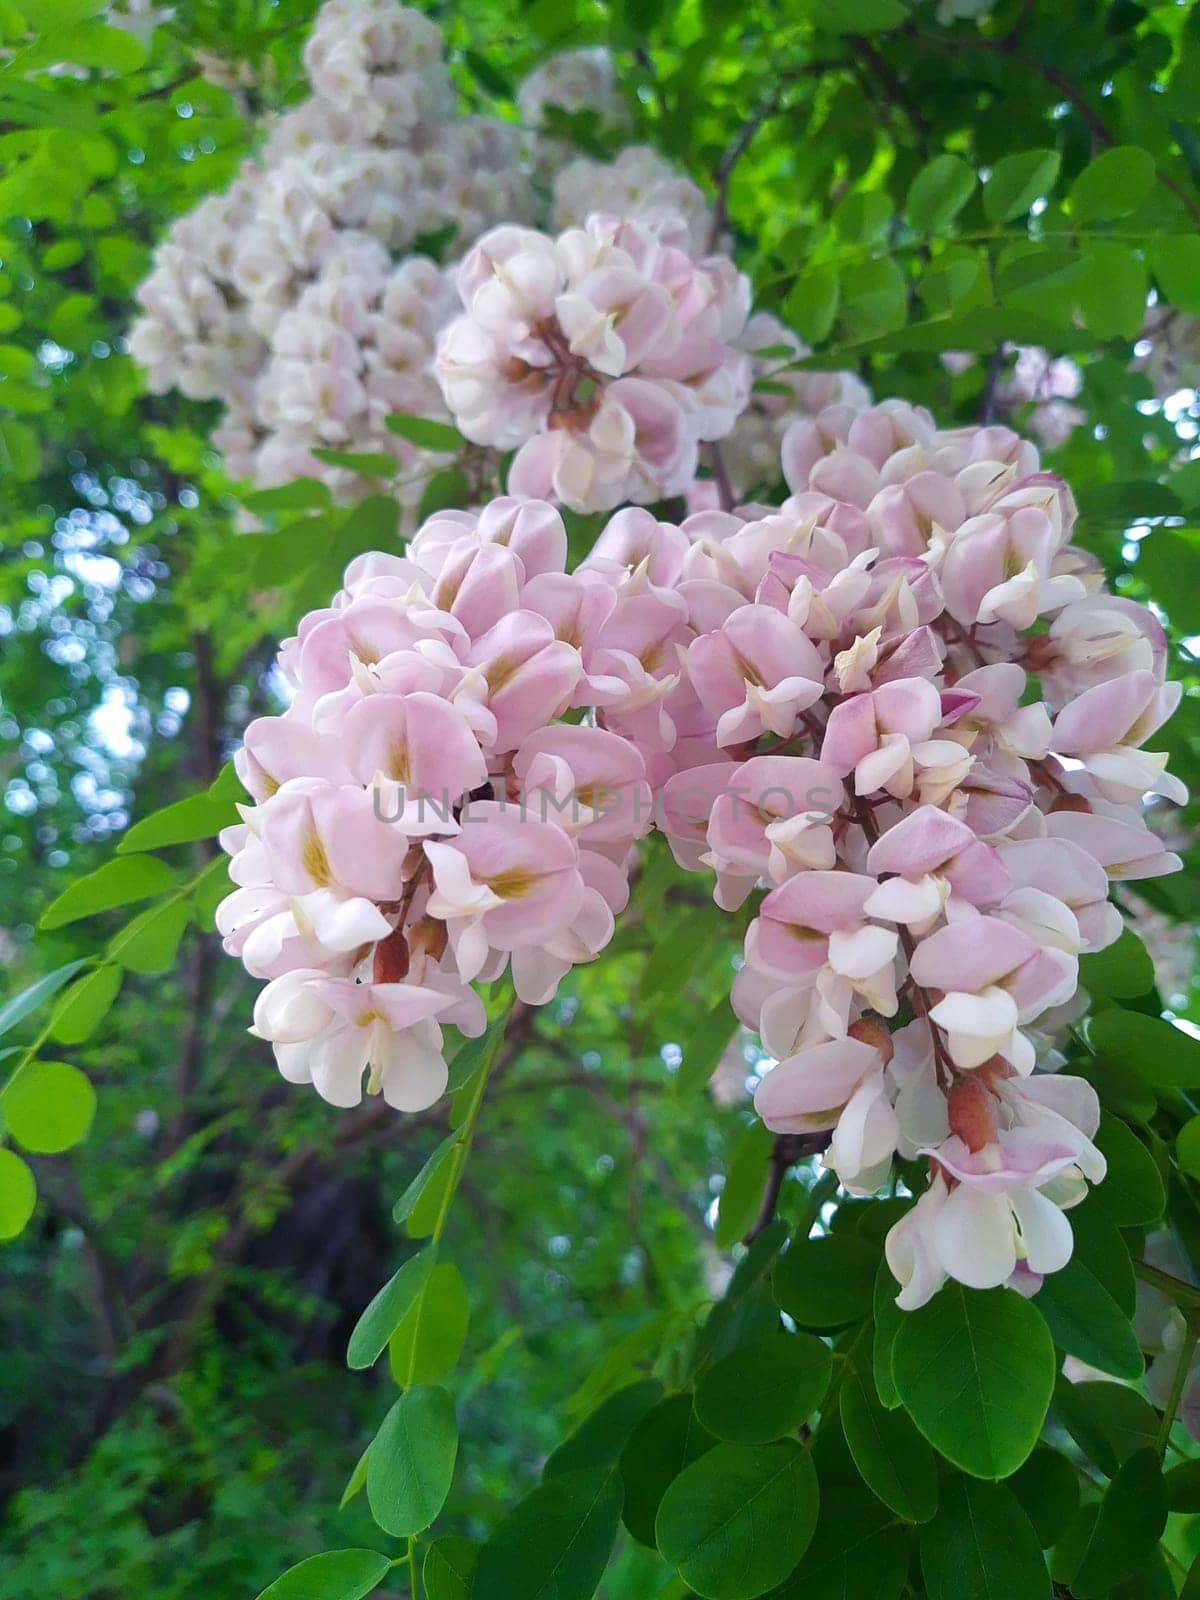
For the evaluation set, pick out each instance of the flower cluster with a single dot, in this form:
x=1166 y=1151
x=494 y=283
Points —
x=603 y=357
x=903 y=703
x=781 y=392
x=422 y=817
x=275 y=297
x=571 y=83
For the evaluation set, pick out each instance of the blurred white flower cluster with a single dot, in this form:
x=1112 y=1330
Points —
x=284 y=296
x=306 y=297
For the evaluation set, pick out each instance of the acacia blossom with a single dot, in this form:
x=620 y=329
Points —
x=830 y=701
x=422 y=818
x=603 y=357
x=849 y=720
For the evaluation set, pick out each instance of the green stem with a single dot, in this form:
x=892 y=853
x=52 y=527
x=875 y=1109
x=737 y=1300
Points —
x=410 y=1556
x=1186 y=1351
x=1183 y=1294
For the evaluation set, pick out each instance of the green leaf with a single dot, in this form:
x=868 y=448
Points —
x=667 y=1439
x=18 y=1194
x=1110 y=290
x=1088 y=1304
x=764 y=1389
x=356 y=1481
x=1132 y=1192
x=874 y=297
x=703 y=1049
x=555 y=1544
x=981 y=1546
x=150 y=942
x=975 y=1370
x=87 y=44
x=888 y=1319
x=86 y=1003
x=1132 y=1517
x=411 y=1464
x=1175 y=262
x=828 y=1282
x=1112 y=185
x=424 y=432
x=857 y=1552
x=1187 y=1147
x=1108 y=1422
x=739 y=1202
x=1017 y=181
x=48 y=1107
x=200 y=816
x=862 y=217
x=1163 y=1055
x=382 y=1317
x=301 y=494
x=27 y=1002
x=895 y=1462
x=1123 y=971
x=1183 y=1486
x=430 y=1336
x=858 y=16
x=812 y=304
x=448 y=1569
x=473 y=1055
x=711 y=1521
x=404 y=1207
x=371 y=463
x=938 y=193
x=335 y=1575
x=1048 y=1488
x=116 y=883
x=601 y=1437
x=448 y=487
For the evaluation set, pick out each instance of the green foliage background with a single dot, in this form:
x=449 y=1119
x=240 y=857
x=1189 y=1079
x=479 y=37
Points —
x=176 y=1418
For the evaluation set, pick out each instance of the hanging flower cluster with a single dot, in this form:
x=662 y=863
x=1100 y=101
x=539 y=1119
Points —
x=277 y=296
x=901 y=703
x=603 y=357
x=300 y=298
x=422 y=817
x=925 y=722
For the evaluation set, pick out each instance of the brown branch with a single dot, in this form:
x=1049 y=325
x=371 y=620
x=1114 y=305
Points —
x=785 y=1152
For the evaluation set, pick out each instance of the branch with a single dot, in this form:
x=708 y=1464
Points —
x=785 y=1152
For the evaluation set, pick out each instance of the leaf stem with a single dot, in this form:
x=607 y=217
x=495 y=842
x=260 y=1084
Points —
x=1176 y=1289
x=1186 y=1351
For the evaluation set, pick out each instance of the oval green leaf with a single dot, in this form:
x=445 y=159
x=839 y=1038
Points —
x=712 y=1520
x=939 y=192
x=411 y=1462
x=335 y=1575
x=555 y=1545
x=1112 y=185
x=430 y=1335
x=667 y=1439
x=1017 y=181
x=975 y=1370
x=826 y=1283
x=18 y=1194
x=981 y=1546
x=81 y=1010
x=1132 y=1516
x=383 y=1316
x=448 y=1569
x=48 y=1106
x=764 y=1389
x=896 y=1463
